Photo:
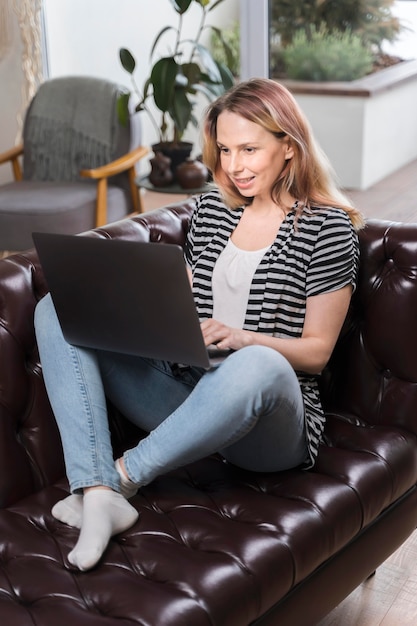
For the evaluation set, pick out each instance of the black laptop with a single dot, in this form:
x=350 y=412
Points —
x=123 y=296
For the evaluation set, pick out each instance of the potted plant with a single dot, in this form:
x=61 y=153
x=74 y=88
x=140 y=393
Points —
x=176 y=79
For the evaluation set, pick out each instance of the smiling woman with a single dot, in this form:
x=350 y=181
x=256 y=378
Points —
x=270 y=121
x=252 y=156
x=273 y=257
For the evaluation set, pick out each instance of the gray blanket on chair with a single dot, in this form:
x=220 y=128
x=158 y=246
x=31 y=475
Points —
x=71 y=125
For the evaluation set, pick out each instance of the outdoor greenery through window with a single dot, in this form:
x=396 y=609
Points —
x=325 y=40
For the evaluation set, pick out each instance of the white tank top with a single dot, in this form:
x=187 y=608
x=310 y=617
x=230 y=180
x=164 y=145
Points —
x=231 y=282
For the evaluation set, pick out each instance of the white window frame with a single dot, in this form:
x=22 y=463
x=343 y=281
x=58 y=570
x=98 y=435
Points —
x=254 y=39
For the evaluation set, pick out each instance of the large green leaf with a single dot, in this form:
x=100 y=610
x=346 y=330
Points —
x=227 y=77
x=163 y=78
x=181 y=110
x=192 y=72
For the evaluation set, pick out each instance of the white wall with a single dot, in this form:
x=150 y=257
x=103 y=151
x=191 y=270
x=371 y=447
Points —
x=389 y=146
x=84 y=37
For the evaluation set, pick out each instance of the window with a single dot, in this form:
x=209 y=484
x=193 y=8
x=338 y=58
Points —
x=257 y=40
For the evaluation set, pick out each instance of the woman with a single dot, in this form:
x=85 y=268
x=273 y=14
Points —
x=273 y=258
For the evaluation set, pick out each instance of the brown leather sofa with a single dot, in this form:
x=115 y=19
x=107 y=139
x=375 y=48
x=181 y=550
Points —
x=214 y=545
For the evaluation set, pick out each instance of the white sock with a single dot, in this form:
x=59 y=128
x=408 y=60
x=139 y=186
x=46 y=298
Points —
x=69 y=510
x=105 y=513
x=127 y=488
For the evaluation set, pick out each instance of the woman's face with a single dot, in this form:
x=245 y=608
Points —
x=251 y=156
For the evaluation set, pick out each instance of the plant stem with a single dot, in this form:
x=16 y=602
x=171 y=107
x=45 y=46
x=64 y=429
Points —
x=143 y=104
x=199 y=32
x=178 y=41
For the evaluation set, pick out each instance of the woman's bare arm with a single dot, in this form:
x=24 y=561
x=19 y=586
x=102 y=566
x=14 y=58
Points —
x=324 y=318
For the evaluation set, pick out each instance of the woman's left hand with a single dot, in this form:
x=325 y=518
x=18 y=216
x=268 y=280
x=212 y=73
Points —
x=224 y=337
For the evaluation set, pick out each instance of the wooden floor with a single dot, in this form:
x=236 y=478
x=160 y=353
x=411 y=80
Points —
x=394 y=198
x=387 y=599
x=390 y=597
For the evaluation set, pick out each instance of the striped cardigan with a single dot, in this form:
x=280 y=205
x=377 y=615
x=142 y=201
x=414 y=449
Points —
x=316 y=254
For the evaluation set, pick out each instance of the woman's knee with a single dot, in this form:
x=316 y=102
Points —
x=263 y=364
x=264 y=375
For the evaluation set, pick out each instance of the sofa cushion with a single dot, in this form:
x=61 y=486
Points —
x=213 y=544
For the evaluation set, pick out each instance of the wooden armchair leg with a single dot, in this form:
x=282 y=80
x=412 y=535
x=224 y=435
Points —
x=17 y=170
x=135 y=192
x=101 y=203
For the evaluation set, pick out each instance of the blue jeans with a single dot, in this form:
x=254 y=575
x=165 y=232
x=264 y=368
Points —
x=249 y=408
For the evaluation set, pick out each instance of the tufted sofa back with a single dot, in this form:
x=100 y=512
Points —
x=372 y=372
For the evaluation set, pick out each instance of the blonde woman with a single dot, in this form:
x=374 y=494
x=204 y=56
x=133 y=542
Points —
x=273 y=258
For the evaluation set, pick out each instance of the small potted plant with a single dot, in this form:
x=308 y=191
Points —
x=175 y=80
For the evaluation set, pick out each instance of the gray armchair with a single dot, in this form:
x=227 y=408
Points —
x=78 y=167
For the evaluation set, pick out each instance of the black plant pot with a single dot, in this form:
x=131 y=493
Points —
x=178 y=153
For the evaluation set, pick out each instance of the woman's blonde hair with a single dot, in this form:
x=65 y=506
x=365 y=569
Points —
x=307 y=176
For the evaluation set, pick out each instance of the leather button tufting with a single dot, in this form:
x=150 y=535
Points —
x=156 y=237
